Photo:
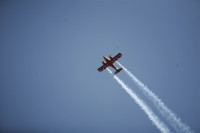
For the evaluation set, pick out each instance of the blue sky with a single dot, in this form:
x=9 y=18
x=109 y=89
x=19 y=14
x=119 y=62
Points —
x=50 y=52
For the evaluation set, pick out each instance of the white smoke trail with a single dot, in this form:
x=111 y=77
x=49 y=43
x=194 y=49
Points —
x=159 y=124
x=161 y=107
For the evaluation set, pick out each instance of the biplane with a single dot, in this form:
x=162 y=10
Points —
x=110 y=62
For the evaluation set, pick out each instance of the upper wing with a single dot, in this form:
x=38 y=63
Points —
x=102 y=67
x=116 y=57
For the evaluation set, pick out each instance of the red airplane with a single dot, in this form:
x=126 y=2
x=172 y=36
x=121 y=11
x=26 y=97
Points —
x=109 y=62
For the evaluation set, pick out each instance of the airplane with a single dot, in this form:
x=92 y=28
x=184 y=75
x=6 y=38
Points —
x=109 y=62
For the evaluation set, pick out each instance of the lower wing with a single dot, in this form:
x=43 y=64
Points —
x=116 y=57
x=102 y=67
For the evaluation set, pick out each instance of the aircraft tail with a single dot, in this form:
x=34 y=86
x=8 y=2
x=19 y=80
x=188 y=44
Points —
x=118 y=70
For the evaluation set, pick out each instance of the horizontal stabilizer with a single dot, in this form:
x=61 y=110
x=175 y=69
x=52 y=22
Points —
x=118 y=70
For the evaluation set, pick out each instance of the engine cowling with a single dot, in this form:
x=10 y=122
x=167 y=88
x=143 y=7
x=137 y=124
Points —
x=110 y=57
x=103 y=62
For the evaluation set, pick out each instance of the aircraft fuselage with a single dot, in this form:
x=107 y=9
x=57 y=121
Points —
x=110 y=63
